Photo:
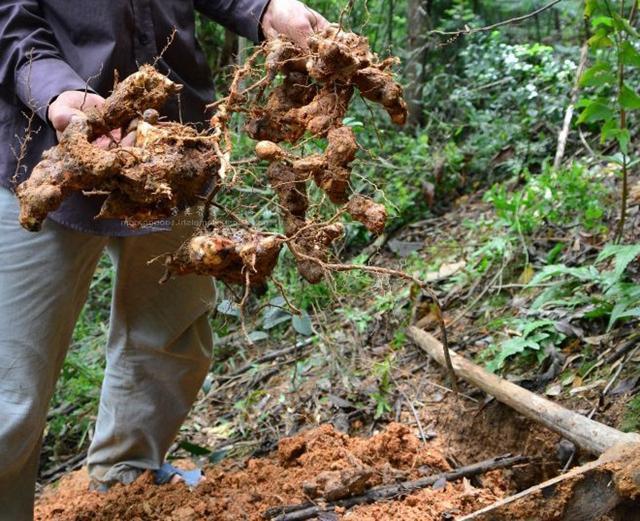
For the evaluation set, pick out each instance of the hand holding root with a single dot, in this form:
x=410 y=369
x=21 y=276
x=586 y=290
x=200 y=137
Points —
x=169 y=165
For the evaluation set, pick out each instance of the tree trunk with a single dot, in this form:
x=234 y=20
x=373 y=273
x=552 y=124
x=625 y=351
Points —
x=419 y=25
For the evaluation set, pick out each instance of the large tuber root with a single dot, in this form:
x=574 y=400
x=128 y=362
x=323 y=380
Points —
x=235 y=257
x=169 y=166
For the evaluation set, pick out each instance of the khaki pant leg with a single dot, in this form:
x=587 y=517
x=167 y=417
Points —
x=158 y=354
x=44 y=280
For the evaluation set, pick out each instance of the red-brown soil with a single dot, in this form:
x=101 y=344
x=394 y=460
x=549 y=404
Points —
x=312 y=463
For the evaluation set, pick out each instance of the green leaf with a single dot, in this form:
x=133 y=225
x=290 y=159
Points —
x=621 y=311
x=595 y=110
x=258 y=336
x=624 y=137
x=593 y=6
x=628 y=99
x=192 y=448
x=583 y=273
x=601 y=39
x=218 y=456
x=600 y=73
x=273 y=317
x=302 y=324
x=623 y=25
x=611 y=130
x=509 y=348
x=629 y=55
x=606 y=21
x=623 y=255
x=530 y=327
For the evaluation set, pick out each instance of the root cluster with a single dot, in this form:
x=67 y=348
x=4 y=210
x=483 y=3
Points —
x=286 y=96
x=306 y=94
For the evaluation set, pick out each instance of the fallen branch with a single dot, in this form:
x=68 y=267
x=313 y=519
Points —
x=585 y=493
x=310 y=510
x=592 y=436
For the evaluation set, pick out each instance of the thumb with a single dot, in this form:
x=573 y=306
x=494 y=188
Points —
x=60 y=117
x=64 y=118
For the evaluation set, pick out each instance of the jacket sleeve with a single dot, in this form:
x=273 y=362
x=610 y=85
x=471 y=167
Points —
x=241 y=16
x=31 y=65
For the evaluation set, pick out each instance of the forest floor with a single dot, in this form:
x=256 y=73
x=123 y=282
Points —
x=279 y=422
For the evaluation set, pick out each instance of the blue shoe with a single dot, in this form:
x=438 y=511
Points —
x=164 y=474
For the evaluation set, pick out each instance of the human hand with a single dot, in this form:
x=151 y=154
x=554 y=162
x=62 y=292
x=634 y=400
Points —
x=293 y=19
x=70 y=104
x=73 y=104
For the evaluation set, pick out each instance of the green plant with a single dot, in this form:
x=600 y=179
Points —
x=360 y=318
x=381 y=397
x=612 y=98
x=532 y=336
x=631 y=419
x=573 y=196
x=598 y=293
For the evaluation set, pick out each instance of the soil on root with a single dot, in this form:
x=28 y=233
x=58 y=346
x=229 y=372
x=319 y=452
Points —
x=320 y=463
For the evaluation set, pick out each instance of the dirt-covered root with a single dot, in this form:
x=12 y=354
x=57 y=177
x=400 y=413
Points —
x=286 y=94
x=341 y=151
x=235 y=257
x=378 y=86
x=142 y=90
x=373 y=215
x=318 y=86
x=326 y=110
x=336 y=55
x=73 y=165
x=310 y=245
x=291 y=189
x=169 y=166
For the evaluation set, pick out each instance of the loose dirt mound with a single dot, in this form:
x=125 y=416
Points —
x=321 y=463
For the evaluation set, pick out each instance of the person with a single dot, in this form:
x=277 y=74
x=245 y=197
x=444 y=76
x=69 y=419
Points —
x=57 y=58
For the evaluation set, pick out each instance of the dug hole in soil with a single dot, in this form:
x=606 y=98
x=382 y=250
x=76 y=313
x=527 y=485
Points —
x=325 y=462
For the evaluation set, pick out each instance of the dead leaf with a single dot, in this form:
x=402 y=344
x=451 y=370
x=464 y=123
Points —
x=554 y=390
x=429 y=193
x=634 y=194
x=625 y=386
x=584 y=388
x=526 y=275
x=445 y=271
x=565 y=327
x=439 y=484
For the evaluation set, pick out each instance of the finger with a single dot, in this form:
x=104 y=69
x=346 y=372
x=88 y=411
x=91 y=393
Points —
x=104 y=142
x=129 y=140
x=318 y=22
x=270 y=33
x=61 y=115
x=91 y=101
x=301 y=30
